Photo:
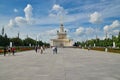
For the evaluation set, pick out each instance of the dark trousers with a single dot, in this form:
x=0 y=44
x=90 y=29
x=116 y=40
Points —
x=4 y=53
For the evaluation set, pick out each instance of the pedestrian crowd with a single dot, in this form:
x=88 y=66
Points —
x=38 y=49
x=54 y=48
x=41 y=49
x=9 y=50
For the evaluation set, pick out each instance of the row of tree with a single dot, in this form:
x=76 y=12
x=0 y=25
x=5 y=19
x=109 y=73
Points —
x=5 y=41
x=107 y=42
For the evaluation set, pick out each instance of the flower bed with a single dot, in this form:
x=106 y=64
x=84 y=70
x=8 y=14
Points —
x=1 y=51
x=99 y=49
x=114 y=50
x=25 y=49
x=18 y=49
x=109 y=50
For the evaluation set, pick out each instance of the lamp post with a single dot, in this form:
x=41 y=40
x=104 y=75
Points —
x=94 y=44
x=113 y=43
x=37 y=39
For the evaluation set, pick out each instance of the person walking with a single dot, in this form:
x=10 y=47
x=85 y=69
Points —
x=13 y=51
x=56 y=49
x=41 y=49
x=5 y=51
x=9 y=50
x=36 y=49
x=53 y=48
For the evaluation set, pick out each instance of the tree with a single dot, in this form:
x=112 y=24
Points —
x=4 y=40
x=16 y=41
x=118 y=41
x=28 y=41
x=76 y=44
x=40 y=43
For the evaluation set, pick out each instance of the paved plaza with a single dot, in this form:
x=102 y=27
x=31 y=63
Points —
x=68 y=64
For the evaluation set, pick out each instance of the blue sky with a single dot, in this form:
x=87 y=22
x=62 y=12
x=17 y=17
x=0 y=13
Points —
x=83 y=19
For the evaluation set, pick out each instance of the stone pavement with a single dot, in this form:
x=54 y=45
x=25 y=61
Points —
x=68 y=64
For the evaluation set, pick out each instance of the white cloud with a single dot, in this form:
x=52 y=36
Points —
x=12 y=23
x=86 y=33
x=57 y=10
x=106 y=28
x=52 y=32
x=90 y=30
x=113 y=26
x=28 y=12
x=15 y=10
x=57 y=7
x=80 y=31
x=115 y=32
x=95 y=18
x=47 y=35
x=18 y=21
x=52 y=15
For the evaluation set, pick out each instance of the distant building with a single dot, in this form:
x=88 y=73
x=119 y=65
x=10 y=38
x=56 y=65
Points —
x=62 y=40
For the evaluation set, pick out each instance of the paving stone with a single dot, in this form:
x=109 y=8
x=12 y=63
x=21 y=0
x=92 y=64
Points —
x=68 y=64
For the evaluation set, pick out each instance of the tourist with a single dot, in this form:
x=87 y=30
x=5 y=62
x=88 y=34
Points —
x=9 y=50
x=56 y=49
x=5 y=50
x=13 y=50
x=41 y=49
x=36 y=49
x=53 y=48
x=44 y=47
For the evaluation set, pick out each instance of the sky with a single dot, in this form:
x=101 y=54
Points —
x=40 y=19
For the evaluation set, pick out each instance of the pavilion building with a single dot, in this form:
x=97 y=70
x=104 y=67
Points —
x=62 y=40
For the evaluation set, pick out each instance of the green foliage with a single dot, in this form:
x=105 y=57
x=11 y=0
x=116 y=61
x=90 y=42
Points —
x=100 y=43
x=5 y=41
x=28 y=41
x=16 y=41
x=76 y=44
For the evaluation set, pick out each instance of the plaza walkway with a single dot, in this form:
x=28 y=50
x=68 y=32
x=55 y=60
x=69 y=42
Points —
x=68 y=64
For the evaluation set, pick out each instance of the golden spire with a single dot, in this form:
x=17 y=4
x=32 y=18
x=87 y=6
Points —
x=61 y=24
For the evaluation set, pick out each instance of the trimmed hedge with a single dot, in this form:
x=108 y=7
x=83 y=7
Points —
x=114 y=50
x=109 y=49
x=99 y=49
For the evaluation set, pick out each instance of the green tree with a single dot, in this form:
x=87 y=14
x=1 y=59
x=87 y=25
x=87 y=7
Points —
x=16 y=41
x=28 y=41
x=4 y=40
x=118 y=40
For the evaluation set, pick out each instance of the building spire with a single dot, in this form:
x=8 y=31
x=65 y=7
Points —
x=61 y=20
x=18 y=34
x=61 y=24
x=61 y=28
x=3 y=31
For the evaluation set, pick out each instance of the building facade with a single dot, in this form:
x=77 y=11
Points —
x=62 y=40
